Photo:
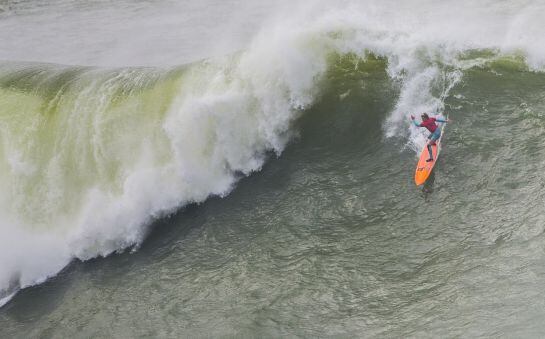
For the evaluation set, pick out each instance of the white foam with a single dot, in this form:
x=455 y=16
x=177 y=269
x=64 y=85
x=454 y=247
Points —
x=227 y=114
x=6 y=299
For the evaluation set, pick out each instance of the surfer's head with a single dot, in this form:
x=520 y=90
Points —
x=424 y=116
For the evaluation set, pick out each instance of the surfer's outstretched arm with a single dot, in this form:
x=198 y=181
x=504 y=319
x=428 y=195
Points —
x=443 y=120
x=414 y=121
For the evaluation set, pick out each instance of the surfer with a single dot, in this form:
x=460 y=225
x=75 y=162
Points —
x=430 y=124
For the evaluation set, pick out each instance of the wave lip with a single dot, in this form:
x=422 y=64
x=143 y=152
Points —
x=94 y=156
x=89 y=157
x=6 y=299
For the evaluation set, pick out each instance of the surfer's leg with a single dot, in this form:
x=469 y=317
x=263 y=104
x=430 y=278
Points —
x=431 y=141
x=430 y=152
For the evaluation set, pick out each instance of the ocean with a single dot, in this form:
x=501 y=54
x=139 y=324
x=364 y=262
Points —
x=245 y=168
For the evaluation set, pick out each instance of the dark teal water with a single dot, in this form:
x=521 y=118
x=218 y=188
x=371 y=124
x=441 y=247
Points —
x=181 y=168
x=332 y=238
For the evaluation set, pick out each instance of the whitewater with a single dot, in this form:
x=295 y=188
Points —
x=136 y=111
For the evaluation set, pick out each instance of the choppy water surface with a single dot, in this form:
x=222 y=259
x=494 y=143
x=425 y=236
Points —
x=266 y=190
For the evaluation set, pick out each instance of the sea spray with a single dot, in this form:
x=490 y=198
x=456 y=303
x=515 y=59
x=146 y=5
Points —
x=109 y=151
x=91 y=156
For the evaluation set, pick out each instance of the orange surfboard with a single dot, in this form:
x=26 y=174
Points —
x=423 y=168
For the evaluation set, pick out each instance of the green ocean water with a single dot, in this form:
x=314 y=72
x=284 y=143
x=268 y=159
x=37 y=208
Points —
x=333 y=238
x=268 y=192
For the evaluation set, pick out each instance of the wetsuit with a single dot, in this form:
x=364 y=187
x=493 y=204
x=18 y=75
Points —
x=435 y=131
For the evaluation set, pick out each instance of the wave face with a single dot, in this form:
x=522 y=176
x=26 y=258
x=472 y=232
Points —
x=90 y=156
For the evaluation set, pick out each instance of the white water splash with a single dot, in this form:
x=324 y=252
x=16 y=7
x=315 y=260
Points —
x=112 y=162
